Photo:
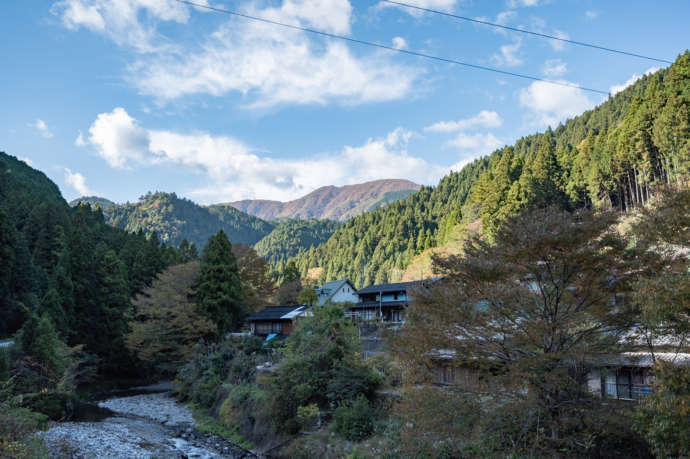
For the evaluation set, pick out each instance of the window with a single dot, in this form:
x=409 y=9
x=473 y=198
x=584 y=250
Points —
x=627 y=383
x=395 y=296
x=265 y=328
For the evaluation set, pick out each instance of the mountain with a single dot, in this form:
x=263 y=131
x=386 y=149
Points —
x=66 y=264
x=175 y=219
x=332 y=202
x=293 y=236
x=608 y=157
x=93 y=201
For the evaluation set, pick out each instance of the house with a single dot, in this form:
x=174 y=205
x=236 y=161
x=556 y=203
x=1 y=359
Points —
x=339 y=291
x=275 y=320
x=629 y=375
x=387 y=302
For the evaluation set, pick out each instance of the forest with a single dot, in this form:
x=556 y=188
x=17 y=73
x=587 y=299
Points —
x=608 y=157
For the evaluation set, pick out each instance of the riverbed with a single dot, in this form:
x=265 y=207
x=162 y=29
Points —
x=140 y=425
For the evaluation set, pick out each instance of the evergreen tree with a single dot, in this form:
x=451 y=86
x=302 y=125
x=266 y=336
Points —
x=219 y=289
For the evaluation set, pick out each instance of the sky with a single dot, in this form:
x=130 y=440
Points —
x=117 y=98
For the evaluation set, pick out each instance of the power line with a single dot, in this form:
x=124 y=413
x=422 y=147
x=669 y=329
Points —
x=529 y=32
x=391 y=48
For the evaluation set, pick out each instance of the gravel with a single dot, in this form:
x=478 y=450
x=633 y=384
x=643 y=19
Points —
x=144 y=426
x=158 y=407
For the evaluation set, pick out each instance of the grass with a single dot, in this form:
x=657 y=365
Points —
x=210 y=425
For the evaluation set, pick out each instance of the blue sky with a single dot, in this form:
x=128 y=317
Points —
x=120 y=97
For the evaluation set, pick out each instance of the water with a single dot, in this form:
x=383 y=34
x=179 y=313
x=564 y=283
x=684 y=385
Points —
x=138 y=423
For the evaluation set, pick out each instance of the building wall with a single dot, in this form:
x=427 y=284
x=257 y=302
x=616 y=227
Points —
x=394 y=296
x=345 y=294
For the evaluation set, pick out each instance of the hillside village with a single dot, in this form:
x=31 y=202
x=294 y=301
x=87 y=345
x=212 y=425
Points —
x=380 y=230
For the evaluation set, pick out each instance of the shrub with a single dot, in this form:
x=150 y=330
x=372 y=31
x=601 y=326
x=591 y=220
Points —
x=307 y=415
x=354 y=420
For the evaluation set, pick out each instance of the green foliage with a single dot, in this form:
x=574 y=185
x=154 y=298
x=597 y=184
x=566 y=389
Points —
x=354 y=419
x=4 y=365
x=609 y=157
x=664 y=417
x=291 y=237
x=307 y=415
x=307 y=296
x=320 y=366
x=218 y=287
x=16 y=424
x=67 y=265
x=175 y=219
x=212 y=365
x=164 y=325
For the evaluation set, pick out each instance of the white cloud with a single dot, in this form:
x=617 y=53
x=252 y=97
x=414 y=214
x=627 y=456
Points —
x=554 y=68
x=615 y=89
x=478 y=144
x=26 y=160
x=118 y=138
x=509 y=54
x=237 y=172
x=550 y=104
x=79 y=141
x=558 y=45
x=484 y=119
x=42 y=127
x=126 y=22
x=265 y=63
x=446 y=6
x=399 y=43
x=522 y=3
x=589 y=14
x=78 y=182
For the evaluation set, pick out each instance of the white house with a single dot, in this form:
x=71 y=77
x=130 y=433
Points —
x=339 y=291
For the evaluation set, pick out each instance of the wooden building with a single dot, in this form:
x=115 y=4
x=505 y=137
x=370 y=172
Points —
x=275 y=320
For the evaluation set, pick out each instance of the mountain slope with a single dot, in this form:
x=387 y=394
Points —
x=293 y=236
x=611 y=156
x=175 y=219
x=67 y=264
x=331 y=202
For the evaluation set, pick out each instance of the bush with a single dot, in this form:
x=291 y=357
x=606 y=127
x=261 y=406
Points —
x=664 y=417
x=57 y=406
x=4 y=365
x=211 y=366
x=307 y=415
x=16 y=424
x=354 y=420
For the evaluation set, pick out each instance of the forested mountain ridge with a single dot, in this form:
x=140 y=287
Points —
x=293 y=236
x=175 y=219
x=611 y=156
x=67 y=265
x=332 y=202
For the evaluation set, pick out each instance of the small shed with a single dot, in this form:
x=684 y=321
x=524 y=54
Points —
x=277 y=320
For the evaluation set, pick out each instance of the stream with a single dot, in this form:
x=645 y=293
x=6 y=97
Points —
x=143 y=422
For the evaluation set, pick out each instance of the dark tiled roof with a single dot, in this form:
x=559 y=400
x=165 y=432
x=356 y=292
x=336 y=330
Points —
x=273 y=312
x=395 y=287
x=376 y=304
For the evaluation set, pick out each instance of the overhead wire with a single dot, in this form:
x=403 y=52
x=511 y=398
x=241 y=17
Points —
x=390 y=48
x=525 y=31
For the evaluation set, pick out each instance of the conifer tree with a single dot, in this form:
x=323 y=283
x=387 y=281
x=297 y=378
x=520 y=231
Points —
x=219 y=289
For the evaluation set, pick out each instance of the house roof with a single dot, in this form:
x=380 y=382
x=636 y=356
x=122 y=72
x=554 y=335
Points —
x=277 y=313
x=327 y=290
x=396 y=287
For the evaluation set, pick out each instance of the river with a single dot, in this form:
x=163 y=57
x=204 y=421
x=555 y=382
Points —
x=145 y=422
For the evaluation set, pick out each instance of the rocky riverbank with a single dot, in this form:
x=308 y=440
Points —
x=138 y=426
